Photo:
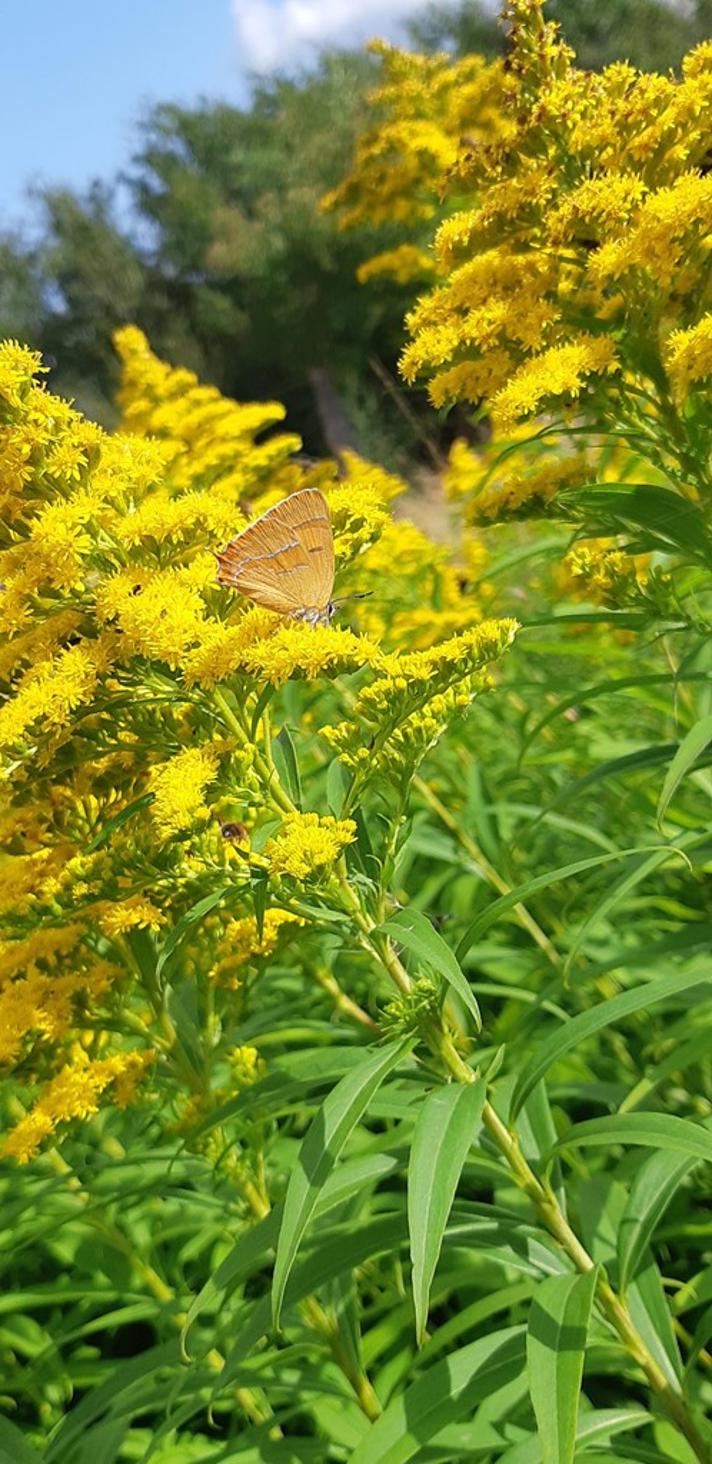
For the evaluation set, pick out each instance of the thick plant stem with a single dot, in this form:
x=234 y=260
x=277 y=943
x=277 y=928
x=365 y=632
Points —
x=263 y=763
x=549 y=1211
x=546 y=1204
x=342 y=1002
x=362 y=1387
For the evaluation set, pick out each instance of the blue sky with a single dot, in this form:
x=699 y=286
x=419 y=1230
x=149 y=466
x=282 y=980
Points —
x=79 y=73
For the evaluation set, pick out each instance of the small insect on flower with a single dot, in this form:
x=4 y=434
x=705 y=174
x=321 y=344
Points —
x=284 y=561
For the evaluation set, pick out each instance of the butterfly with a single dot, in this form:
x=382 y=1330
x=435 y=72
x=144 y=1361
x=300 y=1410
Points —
x=284 y=561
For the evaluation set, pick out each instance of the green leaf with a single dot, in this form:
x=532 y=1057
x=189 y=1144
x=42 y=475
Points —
x=499 y=907
x=325 y=1138
x=338 y=782
x=113 y=1395
x=118 y=821
x=556 y=1345
x=183 y=926
x=654 y=1130
x=258 y=887
x=261 y=705
x=666 y=519
x=440 y=1396
x=565 y=1038
x=614 y=685
x=651 y=1192
x=447 y=1125
x=697 y=739
x=597 y=1425
x=13 y=1449
x=287 y=765
x=248 y=1253
x=700 y=1338
x=644 y=865
x=413 y=930
x=650 y=1313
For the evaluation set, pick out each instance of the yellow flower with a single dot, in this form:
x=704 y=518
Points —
x=560 y=371
x=18 y=366
x=135 y=913
x=688 y=355
x=178 y=787
x=405 y=263
x=211 y=439
x=306 y=844
x=242 y=943
x=51 y=691
x=414 y=693
x=246 y=1066
x=605 y=574
x=310 y=651
x=75 y=1094
x=159 y=614
x=221 y=648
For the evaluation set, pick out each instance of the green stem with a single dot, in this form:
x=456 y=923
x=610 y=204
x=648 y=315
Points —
x=263 y=765
x=526 y=920
x=543 y=1200
x=551 y=1215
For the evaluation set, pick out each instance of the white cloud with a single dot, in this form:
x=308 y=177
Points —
x=275 y=34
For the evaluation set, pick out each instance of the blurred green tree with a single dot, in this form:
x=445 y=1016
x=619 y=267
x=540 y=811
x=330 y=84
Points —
x=653 y=34
x=214 y=243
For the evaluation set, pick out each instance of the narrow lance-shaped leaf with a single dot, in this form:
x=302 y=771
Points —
x=326 y=1136
x=651 y=1192
x=13 y=1447
x=114 y=824
x=642 y=867
x=500 y=907
x=413 y=930
x=183 y=926
x=654 y=1130
x=579 y=1028
x=446 y=1126
x=595 y=1427
x=442 y=1395
x=556 y=1346
x=287 y=765
x=697 y=739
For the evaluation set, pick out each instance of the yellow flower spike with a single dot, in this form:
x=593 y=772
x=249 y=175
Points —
x=135 y=913
x=18 y=366
x=242 y=942
x=560 y=371
x=309 y=651
x=688 y=355
x=51 y=692
x=75 y=1093
x=178 y=787
x=308 y=845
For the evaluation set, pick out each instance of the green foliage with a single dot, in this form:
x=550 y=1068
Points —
x=428 y=1181
x=652 y=34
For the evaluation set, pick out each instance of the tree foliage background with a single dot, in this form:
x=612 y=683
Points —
x=214 y=243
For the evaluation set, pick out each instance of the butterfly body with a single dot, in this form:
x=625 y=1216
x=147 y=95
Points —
x=284 y=561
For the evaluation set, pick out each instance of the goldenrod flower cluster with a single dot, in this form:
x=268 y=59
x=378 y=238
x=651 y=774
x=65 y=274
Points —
x=307 y=844
x=414 y=696
x=243 y=943
x=585 y=243
x=147 y=836
x=571 y=250
x=425 y=106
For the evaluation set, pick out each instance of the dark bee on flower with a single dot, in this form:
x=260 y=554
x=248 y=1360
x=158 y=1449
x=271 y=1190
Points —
x=235 y=833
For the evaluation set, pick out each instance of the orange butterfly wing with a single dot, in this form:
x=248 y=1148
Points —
x=285 y=560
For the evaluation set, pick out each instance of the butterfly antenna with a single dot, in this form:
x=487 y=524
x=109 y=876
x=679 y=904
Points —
x=362 y=595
